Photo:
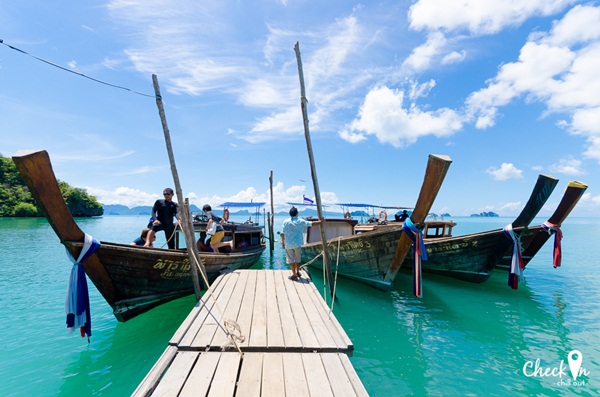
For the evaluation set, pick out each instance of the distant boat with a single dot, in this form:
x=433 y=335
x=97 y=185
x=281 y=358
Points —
x=135 y=279
x=374 y=258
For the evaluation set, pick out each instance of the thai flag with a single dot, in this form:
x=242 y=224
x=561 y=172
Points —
x=306 y=200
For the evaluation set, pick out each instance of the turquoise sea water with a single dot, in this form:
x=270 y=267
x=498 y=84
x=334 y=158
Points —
x=460 y=339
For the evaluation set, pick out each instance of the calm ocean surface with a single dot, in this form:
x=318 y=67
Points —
x=460 y=339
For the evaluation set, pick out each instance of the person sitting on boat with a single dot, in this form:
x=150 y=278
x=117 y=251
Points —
x=216 y=239
x=143 y=238
x=292 y=238
x=203 y=246
x=163 y=212
x=402 y=217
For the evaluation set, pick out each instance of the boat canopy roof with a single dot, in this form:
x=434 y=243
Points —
x=304 y=204
x=358 y=205
x=235 y=204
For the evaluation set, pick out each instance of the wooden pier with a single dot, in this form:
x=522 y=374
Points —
x=291 y=344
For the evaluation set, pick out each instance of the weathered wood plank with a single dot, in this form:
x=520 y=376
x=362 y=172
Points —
x=201 y=376
x=337 y=333
x=150 y=381
x=307 y=335
x=259 y=316
x=189 y=320
x=244 y=319
x=207 y=303
x=320 y=302
x=174 y=378
x=232 y=309
x=357 y=384
x=318 y=384
x=213 y=323
x=274 y=324
x=290 y=330
x=226 y=375
x=296 y=383
x=250 y=381
x=322 y=332
x=336 y=373
x=272 y=376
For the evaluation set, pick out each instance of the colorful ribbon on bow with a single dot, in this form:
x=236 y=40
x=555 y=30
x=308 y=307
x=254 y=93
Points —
x=555 y=229
x=77 y=303
x=516 y=261
x=416 y=235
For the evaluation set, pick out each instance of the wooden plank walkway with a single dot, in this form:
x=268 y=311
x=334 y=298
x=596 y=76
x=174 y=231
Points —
x=292 y=345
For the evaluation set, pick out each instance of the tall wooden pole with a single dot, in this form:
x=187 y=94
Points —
x=271 y=217
x=313 y=168
x=186 y=224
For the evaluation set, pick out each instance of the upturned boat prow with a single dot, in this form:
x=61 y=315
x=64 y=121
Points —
x=36 y=170
x=437 y=167
x=535 y=237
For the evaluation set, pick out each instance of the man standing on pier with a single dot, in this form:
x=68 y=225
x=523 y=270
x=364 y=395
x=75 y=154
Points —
x=292 y=238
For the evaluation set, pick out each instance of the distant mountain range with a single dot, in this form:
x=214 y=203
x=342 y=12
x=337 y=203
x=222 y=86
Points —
x=118 y=209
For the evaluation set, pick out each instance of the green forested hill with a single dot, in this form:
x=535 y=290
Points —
x=16 y=200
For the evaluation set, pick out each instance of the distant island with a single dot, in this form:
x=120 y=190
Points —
x=486 y=215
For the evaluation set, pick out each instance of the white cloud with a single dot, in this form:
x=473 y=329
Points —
x=505 y=172
x=567 y=167
x=556 y=68
x=421 y=57
x=479 y=17
x=511 y=207
x=454 y=57
x=384 y=115
x=122 y=195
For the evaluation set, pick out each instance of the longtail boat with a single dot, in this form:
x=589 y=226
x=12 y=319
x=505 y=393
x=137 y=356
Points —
x=473 y=257
x=533 y=238
x=374 y=258
x=133 y=279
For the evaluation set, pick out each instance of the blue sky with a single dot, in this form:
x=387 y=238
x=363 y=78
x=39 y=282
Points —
x=508 y=89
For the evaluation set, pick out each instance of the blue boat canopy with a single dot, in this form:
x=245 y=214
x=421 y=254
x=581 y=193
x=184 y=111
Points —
x=235 y=204
x=304 y=204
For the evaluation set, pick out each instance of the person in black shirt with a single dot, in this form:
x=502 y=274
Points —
x=163 y=212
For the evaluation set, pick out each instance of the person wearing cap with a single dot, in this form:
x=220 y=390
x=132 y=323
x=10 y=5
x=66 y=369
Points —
x=292 y=238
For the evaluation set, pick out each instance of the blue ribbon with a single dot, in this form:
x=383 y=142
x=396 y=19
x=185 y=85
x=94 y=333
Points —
x=77 y=303
x=409 y=226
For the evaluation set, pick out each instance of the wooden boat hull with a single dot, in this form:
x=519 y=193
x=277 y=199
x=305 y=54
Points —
x=366 y=257
x=143 y=278
x=362 y=257
x=464 y=257
x=131 y=279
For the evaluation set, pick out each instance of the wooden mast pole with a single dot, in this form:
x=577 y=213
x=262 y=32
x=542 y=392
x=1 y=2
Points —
x=313 y=168
x=186 y=225
x=271 y=217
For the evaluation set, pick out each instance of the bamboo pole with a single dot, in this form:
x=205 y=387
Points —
x=313 y=168
x=186 y=224
x=271 y=217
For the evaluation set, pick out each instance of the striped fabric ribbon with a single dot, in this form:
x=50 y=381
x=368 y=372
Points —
x=555 y=229
x=416 y=235
x=77 y=303
x=516 y=261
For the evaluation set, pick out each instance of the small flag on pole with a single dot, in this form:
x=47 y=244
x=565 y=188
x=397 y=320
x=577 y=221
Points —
x=307 y=200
